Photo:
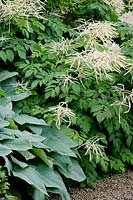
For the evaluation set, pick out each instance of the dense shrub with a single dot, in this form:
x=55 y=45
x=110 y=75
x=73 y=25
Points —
x=74 y=64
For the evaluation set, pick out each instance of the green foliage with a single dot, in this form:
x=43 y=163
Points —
x=28 y=145
x=56 y=79
x=4 y=186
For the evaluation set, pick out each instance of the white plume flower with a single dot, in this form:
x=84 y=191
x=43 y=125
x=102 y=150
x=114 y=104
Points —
x=118 y=5
x=62 y=114
x=127 y=17
x=21 y=8
x=100 y=62
x=94 y=31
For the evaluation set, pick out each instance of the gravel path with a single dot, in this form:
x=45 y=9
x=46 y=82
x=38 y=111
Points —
x=116 y=187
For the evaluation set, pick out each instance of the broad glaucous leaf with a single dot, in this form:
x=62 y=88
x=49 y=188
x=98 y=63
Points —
x=6 y=75
x=53 y=180
x=26 y=119
x=31 y=176
x=69 y=167
x=4 y=150
x=58 y=141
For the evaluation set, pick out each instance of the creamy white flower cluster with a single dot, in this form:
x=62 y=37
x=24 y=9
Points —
x=118 y=5
x=11 y=8
x=127 y=17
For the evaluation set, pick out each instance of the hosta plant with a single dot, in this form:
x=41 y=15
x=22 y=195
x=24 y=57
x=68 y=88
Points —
x=32 y=151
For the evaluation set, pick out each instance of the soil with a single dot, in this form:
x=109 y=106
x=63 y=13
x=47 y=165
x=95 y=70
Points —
x=116 y=187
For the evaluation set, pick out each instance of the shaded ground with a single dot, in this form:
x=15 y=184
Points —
x=116 y=187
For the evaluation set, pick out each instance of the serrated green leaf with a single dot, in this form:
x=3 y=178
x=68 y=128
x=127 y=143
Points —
x=3 y=56
x=10 y=55
x=100 y=116
x=22 y=53
x=34 y=84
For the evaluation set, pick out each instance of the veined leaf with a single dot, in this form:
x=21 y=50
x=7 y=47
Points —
x=26 y=119
x=5 y=106
x=3 y=123
x=8 y=165
x=31 y=176
x=58 y=141
x=4 y=150
x=53 y=181
x=6 y=74
x=27 y=155
x=41 y=154
x=18 y=144
x=10 y=55
x=18 y=162
x=69 y=167
x=18 y=97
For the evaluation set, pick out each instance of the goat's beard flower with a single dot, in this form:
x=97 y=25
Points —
x=118 y=5
x=62 y=114
x=59 y=48
x=22 y=8
x=92 y=146
x=93 y=31
x=127 y=99
x=127 y=17
x=101 y=62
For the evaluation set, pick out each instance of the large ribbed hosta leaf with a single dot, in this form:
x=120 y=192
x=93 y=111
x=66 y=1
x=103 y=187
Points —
x=58 y=141
x=6 y=74
x=18 y=144
x=5 y=106
x=53 y=181
x=31 y=176
x=69 y=167
x=26 y=119
x=4 y=150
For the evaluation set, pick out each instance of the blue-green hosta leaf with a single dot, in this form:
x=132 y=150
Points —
x=4 y=150
x=8 y=165
x=6 y=133
x=18 y=162
x=29 y=136
x=27 y=155
x=31 y=176
x=36 y=129
x=18 y=144
x=26 y=119
x=3 y=123
x=69 y=167
x=38 y=195
x=18 y=97
x=6 y=74
x=53 y=180
x=58 y=141
x=5 y=106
